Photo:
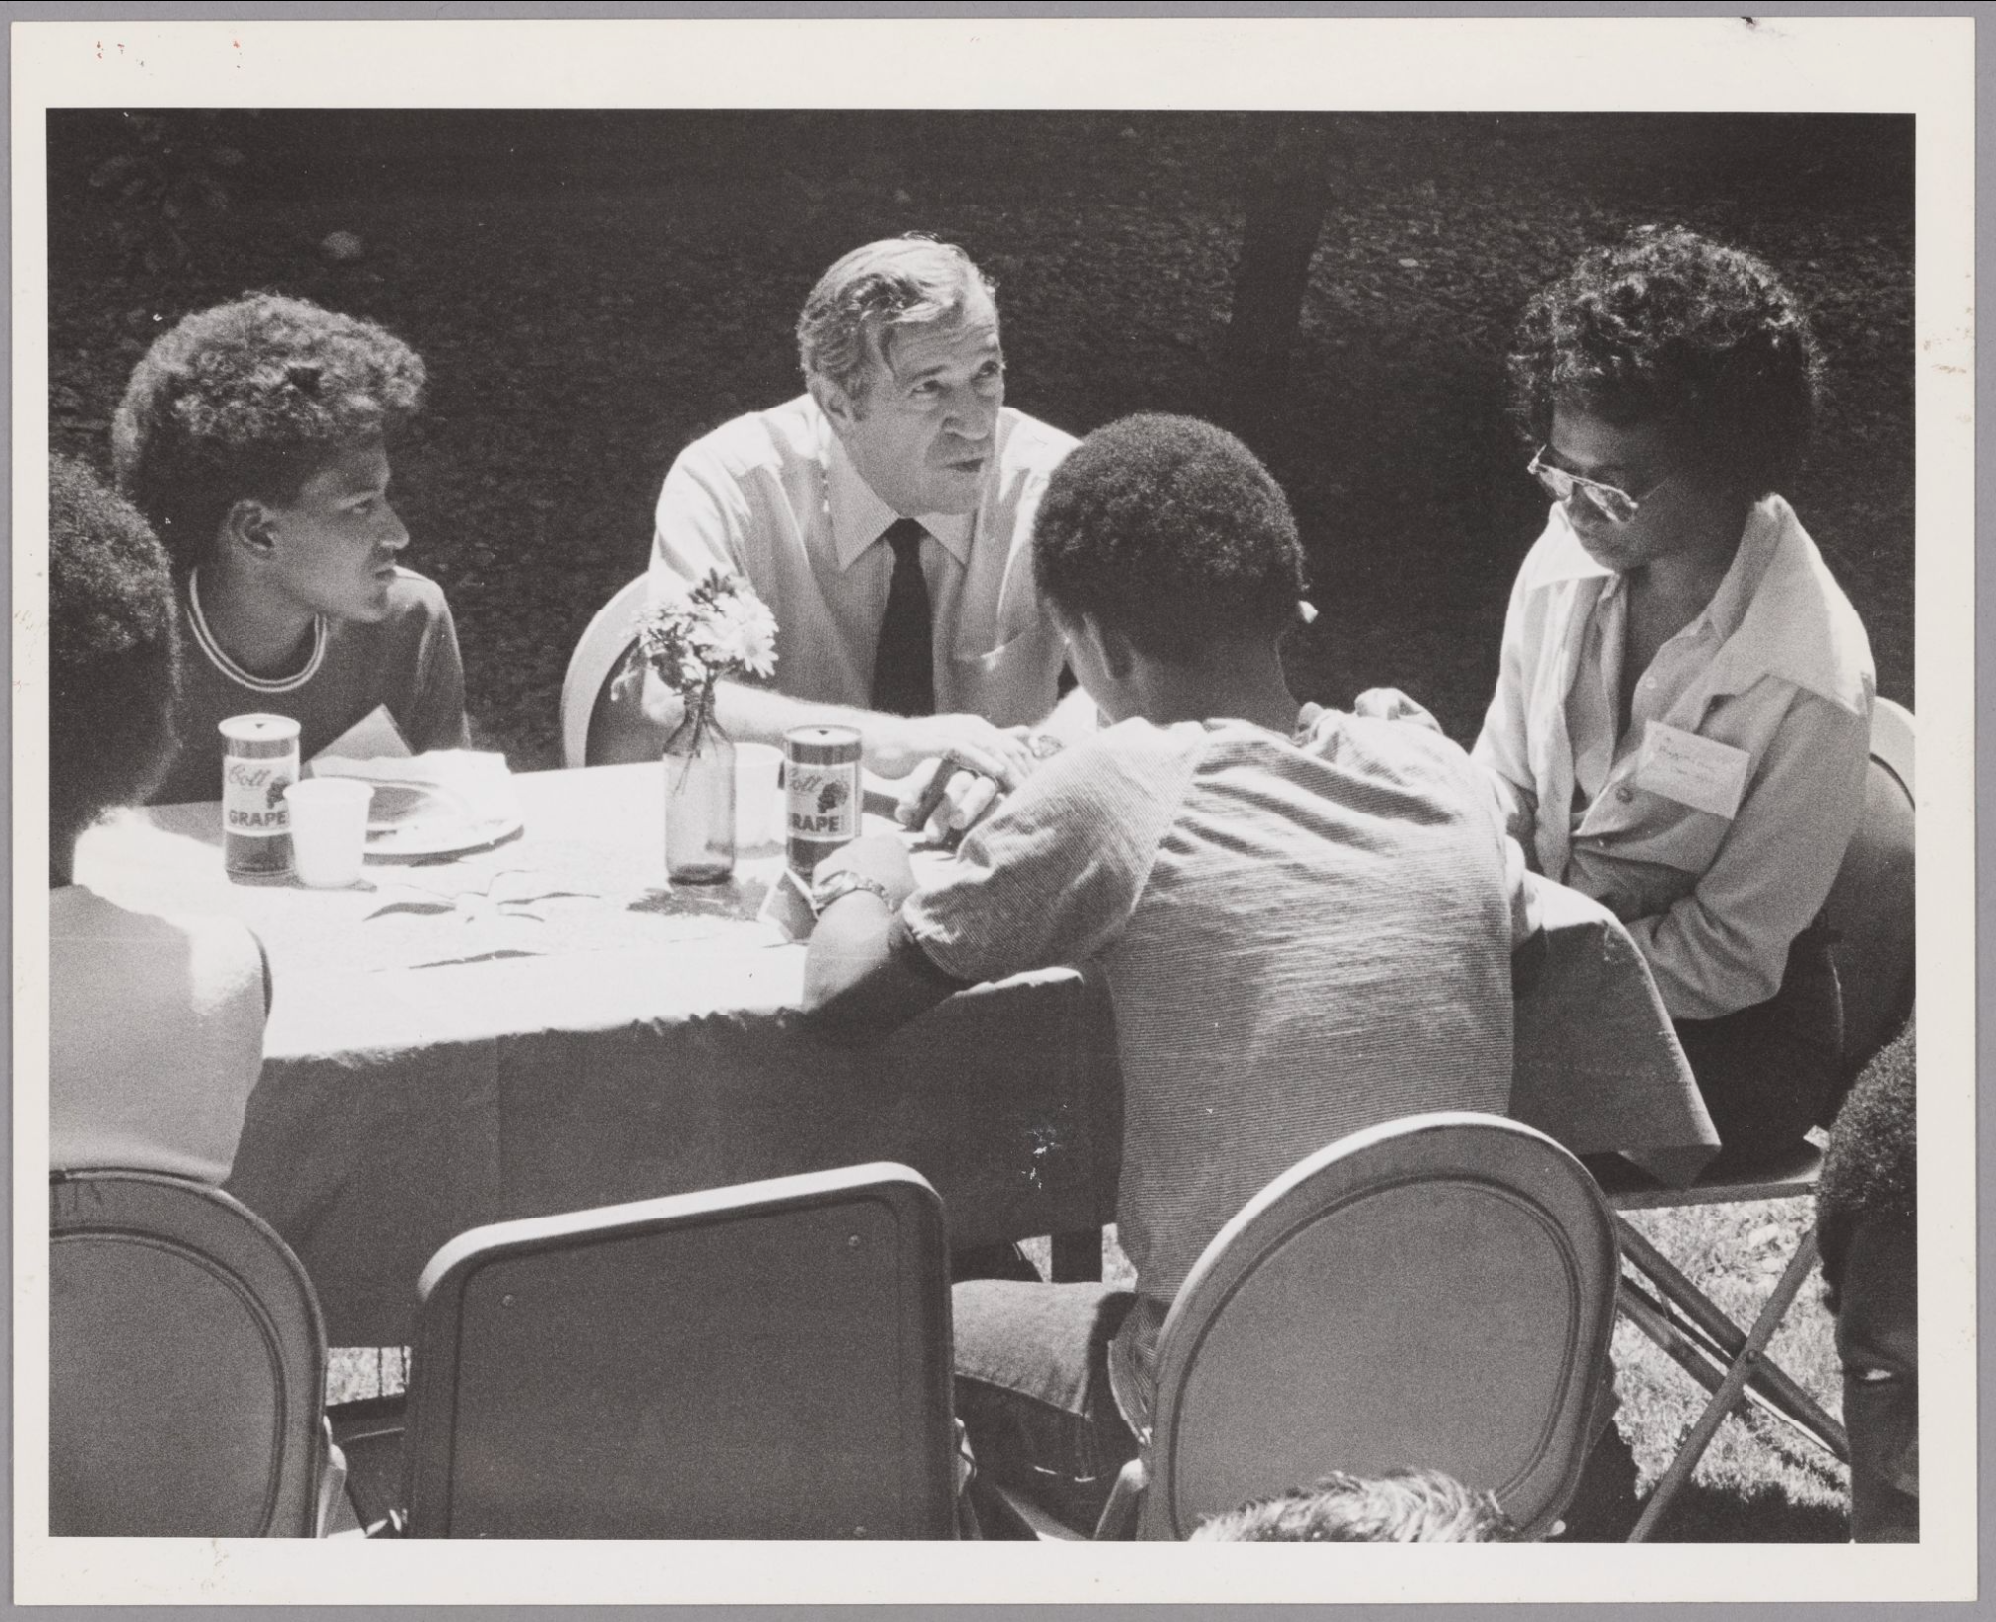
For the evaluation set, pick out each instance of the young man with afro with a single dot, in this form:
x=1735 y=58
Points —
x=1305 y=920
x=255 y=438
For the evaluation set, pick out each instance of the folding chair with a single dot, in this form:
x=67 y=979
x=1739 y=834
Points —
x=187 y=1366
x=766 y=1361
x=1870 y=913
x=595 y=660
x=1438 y=1291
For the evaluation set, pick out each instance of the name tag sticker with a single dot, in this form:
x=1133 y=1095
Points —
x=1699 y=772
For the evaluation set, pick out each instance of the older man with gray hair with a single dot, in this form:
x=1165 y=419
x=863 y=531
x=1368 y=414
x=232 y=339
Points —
x=884 y=516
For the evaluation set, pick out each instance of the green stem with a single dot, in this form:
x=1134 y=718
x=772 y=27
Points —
x=701 y=707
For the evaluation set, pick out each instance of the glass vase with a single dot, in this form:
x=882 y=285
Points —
x=699 y=798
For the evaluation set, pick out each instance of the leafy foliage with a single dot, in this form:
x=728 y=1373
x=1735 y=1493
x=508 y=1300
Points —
x=175 y=172
x=718 y=629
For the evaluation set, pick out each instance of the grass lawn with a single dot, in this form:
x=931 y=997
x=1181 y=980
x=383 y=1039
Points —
x=590 y=292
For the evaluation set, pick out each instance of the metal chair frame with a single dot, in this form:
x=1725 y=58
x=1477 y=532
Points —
x=1503 y=1159
x=201 y=1228
x=498 y=1302
x=1731 y=1362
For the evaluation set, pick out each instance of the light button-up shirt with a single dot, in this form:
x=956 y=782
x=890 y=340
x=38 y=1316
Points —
x=1777 y=666
x=773 y=496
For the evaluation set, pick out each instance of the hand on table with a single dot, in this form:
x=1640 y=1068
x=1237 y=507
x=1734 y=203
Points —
x=1390 y=704
x=880 y=857
x=945 y=798
x=895 y=745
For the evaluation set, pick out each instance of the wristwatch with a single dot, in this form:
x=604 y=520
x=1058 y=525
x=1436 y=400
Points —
x=842 y=882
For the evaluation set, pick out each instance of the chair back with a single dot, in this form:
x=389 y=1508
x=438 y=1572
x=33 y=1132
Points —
x=1436 y=1292
x=767 y=1361
x=187 y=1365
x=591 y=666
x=1870 y=907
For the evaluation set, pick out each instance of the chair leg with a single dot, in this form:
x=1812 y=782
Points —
x=1731 y=1390
x=1770 y=1382
x=1077 y=1257
x=1119 y=1515
x=1707 y=1364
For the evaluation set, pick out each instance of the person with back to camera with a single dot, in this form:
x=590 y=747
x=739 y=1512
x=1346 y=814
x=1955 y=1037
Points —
x=255 y=437
x=884 y=516
x=155 y=1023
x=1682 y=719
x=1272 y=904
x=1867 y=1227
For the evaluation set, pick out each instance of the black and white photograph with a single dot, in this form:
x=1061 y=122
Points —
x=815 y=781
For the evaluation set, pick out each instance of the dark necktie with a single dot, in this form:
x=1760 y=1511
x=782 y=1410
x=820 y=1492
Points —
x=904 y=665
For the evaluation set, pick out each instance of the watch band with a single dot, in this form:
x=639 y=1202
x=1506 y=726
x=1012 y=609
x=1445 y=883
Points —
x=844 y=882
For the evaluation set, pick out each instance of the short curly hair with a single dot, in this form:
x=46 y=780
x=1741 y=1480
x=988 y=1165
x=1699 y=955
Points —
x=1670 y=327
x=904 y=281
x=114 y=656
x=1401 y=1506
x=251 y=399
x=1871 y=1170
x=1168 y=530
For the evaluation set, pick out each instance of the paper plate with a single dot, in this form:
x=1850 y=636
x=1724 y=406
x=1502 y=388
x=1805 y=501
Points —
x=429 y=819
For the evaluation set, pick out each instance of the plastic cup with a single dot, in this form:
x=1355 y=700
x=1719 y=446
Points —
x=758 y=795
x=328 y=830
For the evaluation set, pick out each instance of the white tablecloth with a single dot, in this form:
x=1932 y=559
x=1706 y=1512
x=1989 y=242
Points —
x=547 y=1026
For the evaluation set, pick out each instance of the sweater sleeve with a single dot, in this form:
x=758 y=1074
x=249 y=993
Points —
x=1053 y=876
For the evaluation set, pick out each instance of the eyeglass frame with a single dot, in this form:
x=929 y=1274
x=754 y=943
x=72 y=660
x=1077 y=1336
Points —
x=1599 y=494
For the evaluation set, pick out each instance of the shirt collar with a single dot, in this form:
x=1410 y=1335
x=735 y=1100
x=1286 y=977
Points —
x=859 y=517
x=1564 y=558
x=1728 y=608
x=1794 y=621
x=1779 y=612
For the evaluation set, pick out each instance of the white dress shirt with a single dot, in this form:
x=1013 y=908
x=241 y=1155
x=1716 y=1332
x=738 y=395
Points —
x=1776 y=671
x=773 y=496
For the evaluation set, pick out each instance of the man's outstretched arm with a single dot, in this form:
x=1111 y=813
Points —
x=639 y=712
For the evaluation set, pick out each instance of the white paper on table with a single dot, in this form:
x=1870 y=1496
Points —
x=375 y=736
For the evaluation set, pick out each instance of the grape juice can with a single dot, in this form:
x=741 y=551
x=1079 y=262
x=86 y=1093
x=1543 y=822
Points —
x=821 y=793
x=259 y=762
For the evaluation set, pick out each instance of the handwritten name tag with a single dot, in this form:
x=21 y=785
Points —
x=1699 y=772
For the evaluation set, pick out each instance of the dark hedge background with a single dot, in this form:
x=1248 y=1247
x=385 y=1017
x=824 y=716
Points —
x=591 y=290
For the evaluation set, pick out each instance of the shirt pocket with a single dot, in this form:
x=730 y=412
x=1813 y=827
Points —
x=1012 y=685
